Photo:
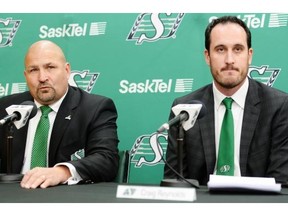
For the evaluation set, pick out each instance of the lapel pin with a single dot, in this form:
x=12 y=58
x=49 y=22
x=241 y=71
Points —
x=68 y=117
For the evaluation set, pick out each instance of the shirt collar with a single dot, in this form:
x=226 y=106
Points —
x=239 y=97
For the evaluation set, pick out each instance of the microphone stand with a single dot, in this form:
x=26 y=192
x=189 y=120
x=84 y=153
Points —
x=9 y=177
x=180 y=182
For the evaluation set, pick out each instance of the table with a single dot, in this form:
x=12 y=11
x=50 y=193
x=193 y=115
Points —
x=106 y=193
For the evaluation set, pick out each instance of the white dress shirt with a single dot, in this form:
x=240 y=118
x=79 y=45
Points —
x=238 y=110
x=30 y=139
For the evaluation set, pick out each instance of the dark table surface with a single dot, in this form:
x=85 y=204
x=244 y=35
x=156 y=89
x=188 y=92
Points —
x=106 y=193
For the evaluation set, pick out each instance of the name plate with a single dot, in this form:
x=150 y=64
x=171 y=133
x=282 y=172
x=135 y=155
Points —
x=156 y=193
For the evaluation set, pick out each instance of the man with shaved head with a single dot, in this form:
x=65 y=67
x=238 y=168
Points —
x=82 y=144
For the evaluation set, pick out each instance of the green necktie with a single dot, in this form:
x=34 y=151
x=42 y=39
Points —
x=225 y=163
x=39 y=150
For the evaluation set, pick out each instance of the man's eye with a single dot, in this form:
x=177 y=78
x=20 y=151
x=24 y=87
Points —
x=220 y=50
x=238 y=49
x=33 y=70
x=50 y=67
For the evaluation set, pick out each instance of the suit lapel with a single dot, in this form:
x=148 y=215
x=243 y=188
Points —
x=207 y=128
x=62 y=120
x=250 y=119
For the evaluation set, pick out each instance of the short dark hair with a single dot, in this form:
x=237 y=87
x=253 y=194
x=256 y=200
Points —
x=223 y=20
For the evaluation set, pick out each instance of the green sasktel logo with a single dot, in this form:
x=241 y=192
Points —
x=156 y=86
x=73 y=30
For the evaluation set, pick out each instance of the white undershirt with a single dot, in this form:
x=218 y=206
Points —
x=237 y=109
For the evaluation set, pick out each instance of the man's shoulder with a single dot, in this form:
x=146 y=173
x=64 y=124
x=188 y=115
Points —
x=266 y=90
x=86 y=96
x=16 y=98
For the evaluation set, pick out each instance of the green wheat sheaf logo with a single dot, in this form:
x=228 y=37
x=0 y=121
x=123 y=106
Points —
x=8 y=30
x=151 y=27
x=264 y=74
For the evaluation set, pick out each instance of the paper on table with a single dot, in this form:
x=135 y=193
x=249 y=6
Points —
x=235 y=183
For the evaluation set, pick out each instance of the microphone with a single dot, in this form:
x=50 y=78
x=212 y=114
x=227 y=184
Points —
x=19 y=114
x=186 y=114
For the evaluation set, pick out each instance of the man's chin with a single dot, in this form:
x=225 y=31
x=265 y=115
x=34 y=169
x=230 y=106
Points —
x=46 y=98
x=229 y=83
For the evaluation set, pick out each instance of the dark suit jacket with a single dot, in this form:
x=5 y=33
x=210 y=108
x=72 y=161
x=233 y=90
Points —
x=264 y=136
x=92 y=127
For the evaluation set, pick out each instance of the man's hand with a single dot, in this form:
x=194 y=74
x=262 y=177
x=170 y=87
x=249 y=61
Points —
x=45 y=177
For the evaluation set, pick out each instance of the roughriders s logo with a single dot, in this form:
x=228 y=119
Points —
x=83 y=79
x=148 y=150
x=8 y=29
x=264 y=74
x=155 y=26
